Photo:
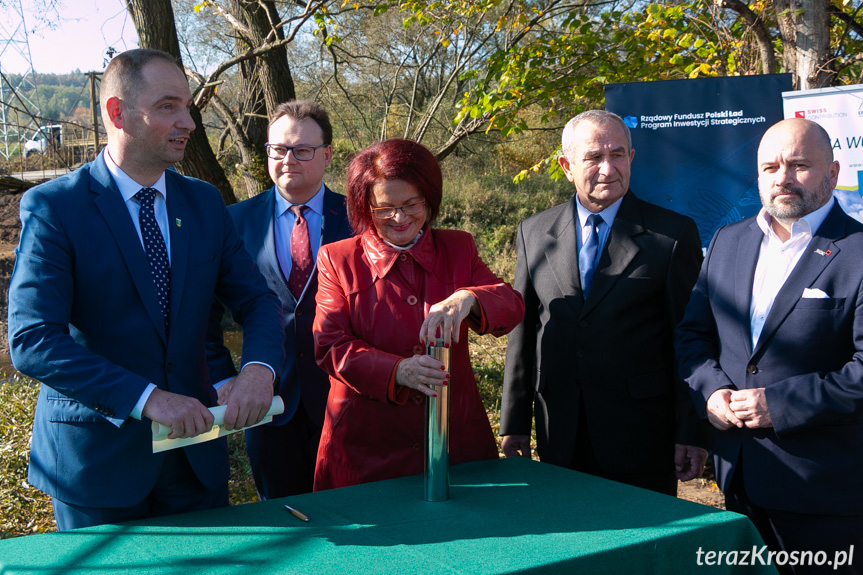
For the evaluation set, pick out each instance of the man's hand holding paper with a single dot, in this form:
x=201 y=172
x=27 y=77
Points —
x=163 y=441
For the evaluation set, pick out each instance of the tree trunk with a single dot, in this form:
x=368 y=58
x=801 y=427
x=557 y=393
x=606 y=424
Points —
x=813 y=44
x=267 y=82
x=275 y=73
x=154 y=22
x=805 y=29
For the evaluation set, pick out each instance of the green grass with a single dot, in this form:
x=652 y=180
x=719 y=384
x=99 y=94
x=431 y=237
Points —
x=25 y=510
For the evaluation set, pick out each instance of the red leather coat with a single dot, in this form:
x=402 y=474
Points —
x=371 y=302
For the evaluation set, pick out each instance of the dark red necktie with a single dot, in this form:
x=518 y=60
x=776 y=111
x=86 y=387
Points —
x=301 y=254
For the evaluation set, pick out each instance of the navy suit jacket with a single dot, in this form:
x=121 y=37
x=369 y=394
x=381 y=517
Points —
x=614 y=350
x=300 y=376
x=85 y=321
x=809 y=358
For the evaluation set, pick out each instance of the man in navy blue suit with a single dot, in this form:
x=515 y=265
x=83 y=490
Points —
x=109 y=302
x=282 y=454
x=772 y=348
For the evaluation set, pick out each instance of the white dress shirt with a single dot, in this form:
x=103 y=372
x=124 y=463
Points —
x=129 y=187
x=607 y=215
x=776 y=260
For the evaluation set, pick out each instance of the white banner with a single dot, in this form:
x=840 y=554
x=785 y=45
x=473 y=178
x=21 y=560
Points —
x=839 y=110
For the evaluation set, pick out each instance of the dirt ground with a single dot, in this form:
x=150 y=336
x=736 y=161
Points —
x=9 y=228
x=702 y=491
x=9 y=224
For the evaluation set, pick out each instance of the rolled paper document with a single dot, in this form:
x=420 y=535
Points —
x=160 y=432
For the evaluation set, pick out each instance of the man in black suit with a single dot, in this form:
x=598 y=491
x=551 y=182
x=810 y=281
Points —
x=282 y=454
x=594 y=358
x=772 y=347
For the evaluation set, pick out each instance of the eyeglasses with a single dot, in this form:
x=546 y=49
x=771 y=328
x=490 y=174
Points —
x=301 y=153
x=390 y=212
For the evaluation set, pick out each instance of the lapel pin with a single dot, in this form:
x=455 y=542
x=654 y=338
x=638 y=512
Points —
x=179 y=222
x=823 y=253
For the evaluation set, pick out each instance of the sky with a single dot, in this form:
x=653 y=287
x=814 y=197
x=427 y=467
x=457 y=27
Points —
x=85 y=29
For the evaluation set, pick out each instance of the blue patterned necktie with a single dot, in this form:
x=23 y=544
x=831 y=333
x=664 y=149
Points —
x=588 y=255
x=154 y=246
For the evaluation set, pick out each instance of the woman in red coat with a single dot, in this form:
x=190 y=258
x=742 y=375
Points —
x=381 y=295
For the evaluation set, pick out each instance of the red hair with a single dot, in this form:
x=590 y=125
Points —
x=395 y=159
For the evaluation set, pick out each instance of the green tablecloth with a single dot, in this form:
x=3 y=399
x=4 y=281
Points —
x=502 y=516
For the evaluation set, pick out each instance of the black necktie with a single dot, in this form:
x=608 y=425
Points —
x=154 y=245
x=587 y=255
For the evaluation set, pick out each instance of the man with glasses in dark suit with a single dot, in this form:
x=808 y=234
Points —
x=282 y=229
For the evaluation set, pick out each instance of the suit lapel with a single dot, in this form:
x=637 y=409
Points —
x=562 y=256
x=619 y=251
x=260 y=232
x=109 y=202
x=331 y=220
x=818 y=255
x=748 y=249
x=264 y=234
x=178 y=214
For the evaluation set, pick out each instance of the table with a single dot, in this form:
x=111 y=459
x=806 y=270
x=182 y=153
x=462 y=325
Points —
x=502 y=516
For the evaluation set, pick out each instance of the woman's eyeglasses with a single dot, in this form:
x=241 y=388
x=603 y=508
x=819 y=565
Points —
x=390 y=212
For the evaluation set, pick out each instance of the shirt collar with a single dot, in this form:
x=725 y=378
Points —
x=607 y=215
x=127 y=186
x=807 y=224
x=316 y=204
x=407 y=247
x=382 y=256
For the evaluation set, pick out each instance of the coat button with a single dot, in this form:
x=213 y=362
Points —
x=299 y=312
x=418 y=349
x=403 y=257
x=418 y=399
x=170 y=367
x=301 y=354
x=412 y=300
x=582 y=324
x=753 y=369
x=415 y=446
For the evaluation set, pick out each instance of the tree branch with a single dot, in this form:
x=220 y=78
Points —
x=765 y=42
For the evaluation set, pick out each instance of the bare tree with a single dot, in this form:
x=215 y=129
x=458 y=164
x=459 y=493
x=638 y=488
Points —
x=266 y=82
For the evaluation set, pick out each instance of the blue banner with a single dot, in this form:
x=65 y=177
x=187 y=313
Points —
x=696 y=141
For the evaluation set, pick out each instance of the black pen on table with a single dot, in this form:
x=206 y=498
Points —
x=298 y=514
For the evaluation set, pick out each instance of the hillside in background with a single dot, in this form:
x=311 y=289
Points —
x=58 y=97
